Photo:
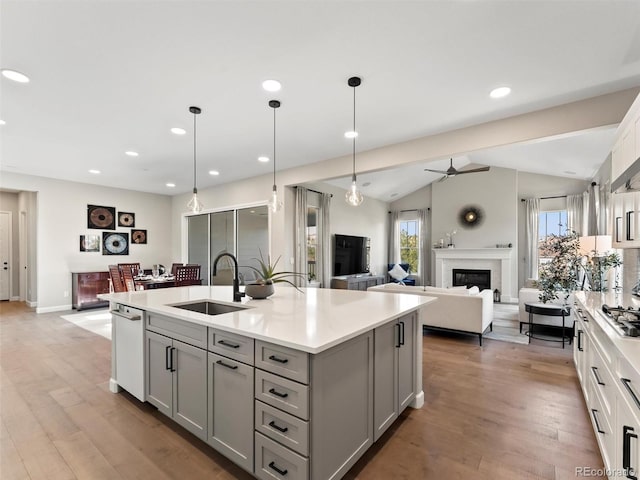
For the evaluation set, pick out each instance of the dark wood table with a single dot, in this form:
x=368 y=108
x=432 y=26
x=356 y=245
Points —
x=151 y=283
x=550 y=310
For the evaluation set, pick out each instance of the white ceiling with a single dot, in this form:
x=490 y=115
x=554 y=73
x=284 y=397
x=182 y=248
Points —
x=107 y=77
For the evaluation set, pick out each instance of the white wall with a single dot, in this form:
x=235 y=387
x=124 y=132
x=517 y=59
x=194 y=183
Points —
x=62 y=218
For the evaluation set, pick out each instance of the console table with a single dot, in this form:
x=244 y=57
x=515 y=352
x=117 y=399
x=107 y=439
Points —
x=357 y=282
x=550 y=310
x=85 y=286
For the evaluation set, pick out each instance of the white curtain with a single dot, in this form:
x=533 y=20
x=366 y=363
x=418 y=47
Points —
x=325 y=241
x=532 y=206
x=603 y=197
x=393 y=254
x=575 y=213
x=301 y=236
x=425 y=246
x=592 y=212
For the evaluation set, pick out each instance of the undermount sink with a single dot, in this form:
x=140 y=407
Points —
x=208 y=308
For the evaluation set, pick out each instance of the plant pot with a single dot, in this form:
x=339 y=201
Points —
x=259 y=291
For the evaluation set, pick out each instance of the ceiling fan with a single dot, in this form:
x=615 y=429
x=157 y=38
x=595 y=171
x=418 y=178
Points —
x=452 y=171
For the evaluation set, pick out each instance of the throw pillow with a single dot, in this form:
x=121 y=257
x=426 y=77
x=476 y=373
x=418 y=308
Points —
x=398 y=273
x=474 y=290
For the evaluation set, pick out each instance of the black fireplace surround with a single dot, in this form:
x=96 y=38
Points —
x=469 y=278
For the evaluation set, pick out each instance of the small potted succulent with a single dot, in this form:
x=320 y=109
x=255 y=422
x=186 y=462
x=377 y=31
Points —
x=267 y=276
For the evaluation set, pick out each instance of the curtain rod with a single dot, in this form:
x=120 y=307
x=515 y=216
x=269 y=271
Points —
x=545 y=198
x=314 y=191
x=410 y=210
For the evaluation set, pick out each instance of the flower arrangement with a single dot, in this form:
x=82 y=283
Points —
x=560 y=273
x=597 y=267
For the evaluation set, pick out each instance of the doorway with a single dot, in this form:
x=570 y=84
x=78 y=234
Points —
x=5 y=255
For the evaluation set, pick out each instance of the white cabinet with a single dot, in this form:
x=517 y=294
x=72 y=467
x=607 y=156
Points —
x=626 y=220
x=394 y=370
x=626 y=148
x=627 y=445
x=177 y=381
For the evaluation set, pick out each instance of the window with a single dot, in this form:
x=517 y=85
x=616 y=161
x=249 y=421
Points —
x=313 y=214
x=550 y=223
x=410 y=244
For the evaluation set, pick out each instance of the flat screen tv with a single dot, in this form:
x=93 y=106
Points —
x=350 y=255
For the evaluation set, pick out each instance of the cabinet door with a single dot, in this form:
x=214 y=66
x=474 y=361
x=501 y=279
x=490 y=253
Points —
x=627 y=442
x=231 y=409
x=407 y=362
x=190 y=388
x=159 y=374
x=385 y=403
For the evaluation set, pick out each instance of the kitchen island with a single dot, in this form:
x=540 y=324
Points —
x=299 y=385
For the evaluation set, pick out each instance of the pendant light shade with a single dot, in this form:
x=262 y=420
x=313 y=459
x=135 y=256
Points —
x=275 y=204
x=353 y=195
x=195 y=205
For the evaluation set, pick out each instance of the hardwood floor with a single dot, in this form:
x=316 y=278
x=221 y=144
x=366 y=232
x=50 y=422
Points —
x=503 y=411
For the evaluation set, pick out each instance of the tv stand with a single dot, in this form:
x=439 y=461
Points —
x=357 y=282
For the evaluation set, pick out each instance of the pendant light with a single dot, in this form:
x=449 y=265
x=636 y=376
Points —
x=353 y=195
x=194 y=205
x=275 y=204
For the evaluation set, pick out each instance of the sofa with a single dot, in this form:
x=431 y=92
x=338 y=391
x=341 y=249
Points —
x=531 y=295
x=458 y=308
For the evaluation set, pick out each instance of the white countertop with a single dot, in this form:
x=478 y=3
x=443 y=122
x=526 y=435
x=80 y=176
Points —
x=629 y=347
x=313 y=321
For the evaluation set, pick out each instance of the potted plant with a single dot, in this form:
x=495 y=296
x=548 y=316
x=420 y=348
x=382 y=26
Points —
x=560 y=274
x=597 y=268
x=267 y=276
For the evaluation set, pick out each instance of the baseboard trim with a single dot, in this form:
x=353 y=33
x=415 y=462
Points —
x=58 y=308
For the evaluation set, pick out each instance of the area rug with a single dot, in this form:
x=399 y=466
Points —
x=506 y=324
x=96 y=321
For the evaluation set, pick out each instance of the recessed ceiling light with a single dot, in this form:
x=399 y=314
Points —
x=271 y=85
x=214 y=172
x=350 y=134
x=569 y=172
x=178 y=131
x=2 y=122
x=171 y=185
x=394 y=194
x=500 y=92
x=131 y=153
x=15 y=76
x=94 y=171
x=263 y=159
x=252 y=211
x=366 y=184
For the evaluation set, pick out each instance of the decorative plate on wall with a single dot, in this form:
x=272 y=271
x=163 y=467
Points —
x=126 y=219
x=103 y=218
x=115 y=243
x=139 y=237
x=470 y=216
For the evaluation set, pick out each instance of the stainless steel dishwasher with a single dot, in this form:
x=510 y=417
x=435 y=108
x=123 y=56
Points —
x=128 y=338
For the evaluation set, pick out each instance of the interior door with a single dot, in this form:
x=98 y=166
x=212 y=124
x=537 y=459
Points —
x=5 y=255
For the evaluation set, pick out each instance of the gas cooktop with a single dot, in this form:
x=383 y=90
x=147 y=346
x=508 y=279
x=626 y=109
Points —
x=626 y=320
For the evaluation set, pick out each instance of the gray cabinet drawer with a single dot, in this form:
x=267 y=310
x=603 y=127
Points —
x=231 y=345
x=188 y=332
x=276 y=461
x=284 y=361
x=282 y=427
x=284 y=394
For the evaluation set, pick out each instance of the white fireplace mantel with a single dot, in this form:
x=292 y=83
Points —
x=498 y=260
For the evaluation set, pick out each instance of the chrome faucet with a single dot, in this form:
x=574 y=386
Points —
x=237 y=294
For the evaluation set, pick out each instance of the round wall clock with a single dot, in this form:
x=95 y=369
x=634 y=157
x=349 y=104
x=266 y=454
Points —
x=115 y=243
x=470 y=216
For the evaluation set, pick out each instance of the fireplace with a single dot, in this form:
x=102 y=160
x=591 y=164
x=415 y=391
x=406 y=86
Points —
x=471 y=277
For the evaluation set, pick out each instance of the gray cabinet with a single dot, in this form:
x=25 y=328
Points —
x=394 y=367
x=231 y=409
x=357 y=283
x=177 y=381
